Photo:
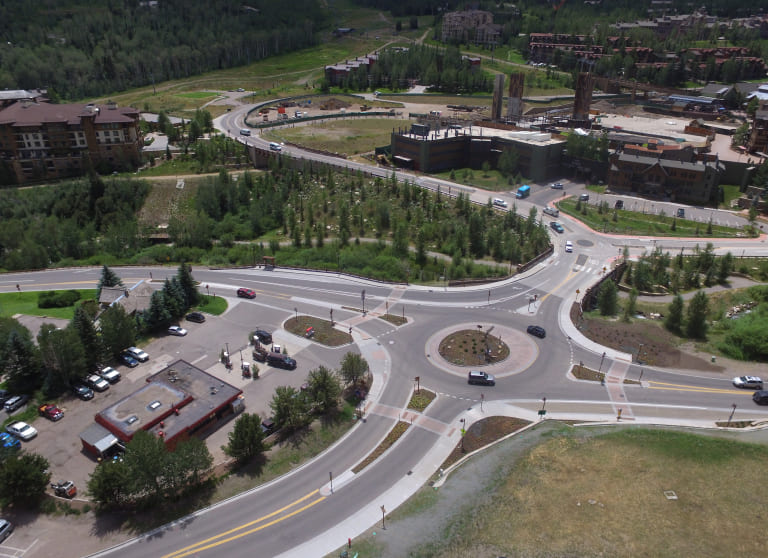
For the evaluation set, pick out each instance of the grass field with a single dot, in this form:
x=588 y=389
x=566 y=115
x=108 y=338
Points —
x=349 y=136
x=583 y=492
x=26 y=303
x=635 y=223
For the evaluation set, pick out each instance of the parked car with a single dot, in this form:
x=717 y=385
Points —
x=263 y=336
x=279 y=360
x=760 y=397
x=568 y=246
x=681 y=212
x=51 y=412
x=557 y=186
x=6 y=528
x=83 y=392
x=538 y=331
x=246 y=293
x=584 y=197
x=138 y=354
x=8 y=442
x=4 y=396
x=196 y=317
x=498 y=202
x=97 y=383
x=128 y=360
x=751 y=382
x=64 y=489
x=557 y=227
x=267 y=426
x=477 y=377
x=110 y=374
x=15 y=402
x=22 y=430
x=178 y=331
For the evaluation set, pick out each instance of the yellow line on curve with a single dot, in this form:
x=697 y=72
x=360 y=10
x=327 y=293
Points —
x=188 y=550
x=571 y=274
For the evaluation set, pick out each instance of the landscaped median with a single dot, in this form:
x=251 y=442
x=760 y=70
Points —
x=603 y=218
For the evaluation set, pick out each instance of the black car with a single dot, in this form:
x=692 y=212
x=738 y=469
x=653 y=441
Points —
x=4 y=396
x=619 y=204
x=83 y=392
x=196 y=317
x=760 y=397
x=538 y=331
x=263 y=336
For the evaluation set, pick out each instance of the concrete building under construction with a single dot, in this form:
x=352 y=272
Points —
x=583 y=98
x=515 y=101
x=498 y=97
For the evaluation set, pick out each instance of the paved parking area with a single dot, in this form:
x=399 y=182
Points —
x=59 y=441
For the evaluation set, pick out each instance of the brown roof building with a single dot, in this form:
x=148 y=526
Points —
x=175 y=404
x=43 y=141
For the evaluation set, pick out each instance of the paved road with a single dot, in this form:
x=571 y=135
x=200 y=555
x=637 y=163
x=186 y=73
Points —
x=299 y=515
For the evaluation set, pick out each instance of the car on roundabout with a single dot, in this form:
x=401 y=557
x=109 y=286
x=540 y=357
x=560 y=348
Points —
x=568 y=246
x=246 y=293
x=537 y=330
x=557 y=186
x=557 y=227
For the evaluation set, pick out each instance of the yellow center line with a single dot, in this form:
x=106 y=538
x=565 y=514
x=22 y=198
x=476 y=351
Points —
x=189 y=550
x=570 y=275
x=683 y=387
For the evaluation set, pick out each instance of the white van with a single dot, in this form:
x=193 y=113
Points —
x=552 y=211
x=245 y=132
x=275 y=146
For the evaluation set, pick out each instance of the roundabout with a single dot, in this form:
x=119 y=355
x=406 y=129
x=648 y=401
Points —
x=460 y=348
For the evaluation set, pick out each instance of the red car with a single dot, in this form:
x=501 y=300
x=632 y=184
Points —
x=246 y=293
x=51 y=412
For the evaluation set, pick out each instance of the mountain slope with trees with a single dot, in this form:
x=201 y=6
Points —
x=87 y=48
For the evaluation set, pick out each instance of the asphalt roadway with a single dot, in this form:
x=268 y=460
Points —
x=299 y=514
x=304 y=513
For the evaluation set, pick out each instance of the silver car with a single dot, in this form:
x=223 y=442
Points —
x=748 y=382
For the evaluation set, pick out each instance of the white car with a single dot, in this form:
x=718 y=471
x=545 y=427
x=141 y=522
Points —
x=498 y=202
x=568 y=246
x=552 y=211
x=21 y=430
x=177 y=330
x=751 y=382
x=138 y=354
x=97 y=383
x=110 y=374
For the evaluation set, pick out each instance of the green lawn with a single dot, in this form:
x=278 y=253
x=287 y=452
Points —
x=635 y=223
x=214 y=305
x=493 y=181
x=26 y=303
x=198 y=94
x=730 y=193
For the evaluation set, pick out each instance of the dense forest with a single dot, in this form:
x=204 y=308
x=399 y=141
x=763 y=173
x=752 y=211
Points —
x=87 y=48
x=443 y=69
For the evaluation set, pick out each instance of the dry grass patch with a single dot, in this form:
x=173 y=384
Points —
x=470 y=347
x=605 y=496
x=325 y=332
x=393 y=319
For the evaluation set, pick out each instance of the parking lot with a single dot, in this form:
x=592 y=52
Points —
x=59 y=441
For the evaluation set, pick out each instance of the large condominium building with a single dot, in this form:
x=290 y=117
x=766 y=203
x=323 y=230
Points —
x=44 y=141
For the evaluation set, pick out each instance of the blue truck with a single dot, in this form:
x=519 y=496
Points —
x=523 y=192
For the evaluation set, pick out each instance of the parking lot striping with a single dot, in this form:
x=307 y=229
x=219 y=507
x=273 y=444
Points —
x=683 y=387
x=197 y=547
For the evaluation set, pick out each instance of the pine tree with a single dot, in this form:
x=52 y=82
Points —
x=607 y=298
x=188 y=285
x=674 y=320
x=698 y=307
x=108 y=279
